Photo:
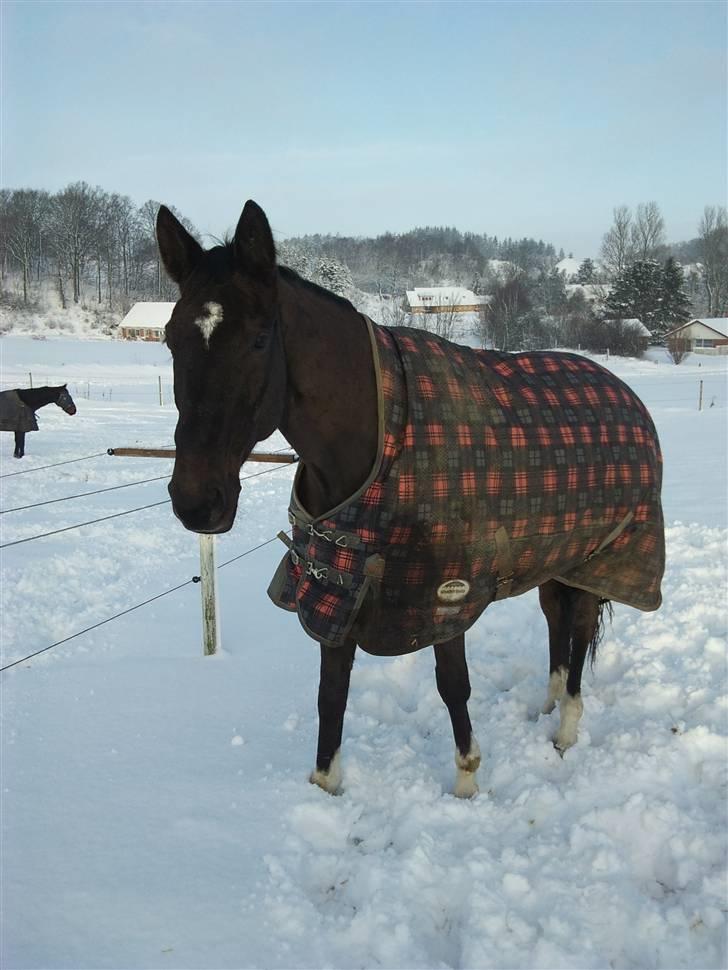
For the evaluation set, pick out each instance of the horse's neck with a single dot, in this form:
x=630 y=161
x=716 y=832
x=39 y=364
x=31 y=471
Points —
x=331 y=407
x=38 y=397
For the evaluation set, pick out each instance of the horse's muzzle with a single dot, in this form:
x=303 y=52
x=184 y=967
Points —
x=210 y=510
x=71 y=409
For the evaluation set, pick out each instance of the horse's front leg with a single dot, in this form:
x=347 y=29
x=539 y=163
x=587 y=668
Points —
x=336 y=664
x=453 y=683
x=19 y=444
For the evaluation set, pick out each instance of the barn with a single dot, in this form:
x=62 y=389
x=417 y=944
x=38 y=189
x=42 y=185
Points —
x=704 y=335
x=146 y=321
x=443 y=299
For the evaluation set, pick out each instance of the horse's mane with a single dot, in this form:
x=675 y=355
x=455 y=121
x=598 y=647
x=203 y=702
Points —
x=220 y=260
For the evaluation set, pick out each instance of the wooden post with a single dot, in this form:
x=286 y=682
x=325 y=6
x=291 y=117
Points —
x=700 y=397
x=208 y=585
x=264 y=456
x=160 y=391
x=30 y=377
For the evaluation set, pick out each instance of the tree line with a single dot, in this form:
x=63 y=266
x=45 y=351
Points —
x=99 y=248
x=84 y=242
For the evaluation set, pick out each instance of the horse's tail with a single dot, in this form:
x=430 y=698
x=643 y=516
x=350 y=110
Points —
x=605 y=606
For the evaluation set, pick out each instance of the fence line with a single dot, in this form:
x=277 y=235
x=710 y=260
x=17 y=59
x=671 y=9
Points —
x=131 y=609
x=116 y=515
x=39 y=468
x=97 y=491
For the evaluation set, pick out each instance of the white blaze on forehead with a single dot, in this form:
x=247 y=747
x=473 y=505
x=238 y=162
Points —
x=209 y=320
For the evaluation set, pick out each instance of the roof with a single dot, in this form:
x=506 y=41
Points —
x=632 y=323
x=148 y=315
x=443 y=296
x=718 y=324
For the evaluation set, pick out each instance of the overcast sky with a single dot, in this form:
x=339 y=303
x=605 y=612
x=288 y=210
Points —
x=510 y=118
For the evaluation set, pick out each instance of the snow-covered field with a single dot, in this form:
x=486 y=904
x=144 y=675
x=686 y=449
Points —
x=155 y=804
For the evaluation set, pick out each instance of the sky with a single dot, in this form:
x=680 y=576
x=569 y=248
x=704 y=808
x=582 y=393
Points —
x=509 y=118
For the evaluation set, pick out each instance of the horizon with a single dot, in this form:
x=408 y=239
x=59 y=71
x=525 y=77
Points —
x=358 y=119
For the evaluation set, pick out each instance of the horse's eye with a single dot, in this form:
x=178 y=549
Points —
x=261 y=340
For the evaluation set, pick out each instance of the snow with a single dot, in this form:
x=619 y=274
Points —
x=156 y=810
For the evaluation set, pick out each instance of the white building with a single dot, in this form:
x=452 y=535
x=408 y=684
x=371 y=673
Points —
x=704 y=335
x=443 y=299
x=146 y=321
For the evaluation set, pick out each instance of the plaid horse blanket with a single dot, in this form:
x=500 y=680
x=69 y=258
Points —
x=15 y=415
x=495 y=473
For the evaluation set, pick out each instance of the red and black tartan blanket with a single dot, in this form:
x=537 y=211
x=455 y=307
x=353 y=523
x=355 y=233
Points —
x=495 y=473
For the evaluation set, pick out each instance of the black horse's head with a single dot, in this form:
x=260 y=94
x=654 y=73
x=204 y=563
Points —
x=65 y=401
x=229 y=369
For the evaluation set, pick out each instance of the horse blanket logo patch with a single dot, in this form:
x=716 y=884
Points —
x=453 y=591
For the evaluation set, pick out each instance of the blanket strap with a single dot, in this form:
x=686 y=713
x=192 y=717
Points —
x=504 y=564
x=345 y=540
x=616 y=531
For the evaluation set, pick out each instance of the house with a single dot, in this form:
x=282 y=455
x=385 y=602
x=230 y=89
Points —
x=443 y=299
x=146 y=321
x=703 y=335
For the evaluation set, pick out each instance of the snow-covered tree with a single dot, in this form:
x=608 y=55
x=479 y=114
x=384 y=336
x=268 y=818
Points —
x=333 y=275
x=675 y=302
x=586 y=271
x=638 y=292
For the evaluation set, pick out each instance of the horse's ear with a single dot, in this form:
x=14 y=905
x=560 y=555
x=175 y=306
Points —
x=179 y=250
x=253 y=245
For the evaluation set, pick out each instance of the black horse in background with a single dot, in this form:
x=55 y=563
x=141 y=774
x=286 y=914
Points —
x=18 y=407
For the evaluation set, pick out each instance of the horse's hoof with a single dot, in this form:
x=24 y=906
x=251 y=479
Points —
x=329 y=781
x=465 y=785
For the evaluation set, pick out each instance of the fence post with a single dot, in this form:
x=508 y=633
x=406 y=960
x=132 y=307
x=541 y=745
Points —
x=208 y=584
x=160 y=391
x=700 y=397
x=30 y=378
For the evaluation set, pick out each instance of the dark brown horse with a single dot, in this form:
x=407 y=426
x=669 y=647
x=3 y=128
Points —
x=18 y=407
x=256 y=348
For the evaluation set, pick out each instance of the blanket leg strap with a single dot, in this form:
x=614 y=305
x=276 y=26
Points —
x=504 y=562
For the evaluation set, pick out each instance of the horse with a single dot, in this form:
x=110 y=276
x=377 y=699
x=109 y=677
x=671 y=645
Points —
x=375 y=412
x=18 y=407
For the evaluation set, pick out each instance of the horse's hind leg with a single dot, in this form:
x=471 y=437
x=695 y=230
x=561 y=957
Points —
x=556 y=604
x=336 y=664
x=19 y=444
x=585 y=615
x=453 y=683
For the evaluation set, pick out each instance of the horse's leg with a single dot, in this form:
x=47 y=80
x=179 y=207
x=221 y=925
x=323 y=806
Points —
x=336 y=664
x=19 y=444
x=585 y=610
x=555 y=600
x=453 y=683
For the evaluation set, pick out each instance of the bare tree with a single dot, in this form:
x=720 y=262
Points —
x=23 y=221
x=648 y=231
x=617 y=245
x=713 y=237
x=677 y=347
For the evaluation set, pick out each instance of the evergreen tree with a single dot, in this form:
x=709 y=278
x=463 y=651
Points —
x=675 y=303
x=638 y=291
x=586 y=272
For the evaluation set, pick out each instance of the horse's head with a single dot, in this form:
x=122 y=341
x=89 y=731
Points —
x=65 y=400
x=229 y=368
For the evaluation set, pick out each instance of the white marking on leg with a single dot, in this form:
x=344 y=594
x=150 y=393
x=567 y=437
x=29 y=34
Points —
x=465 y=784
x=329 y=780
x=557 y=686
x=571 y=709
x=209 y=320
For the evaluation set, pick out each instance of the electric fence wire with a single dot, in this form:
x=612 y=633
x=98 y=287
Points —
x=116 y=515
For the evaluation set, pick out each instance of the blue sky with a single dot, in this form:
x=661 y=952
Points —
x=508 y=118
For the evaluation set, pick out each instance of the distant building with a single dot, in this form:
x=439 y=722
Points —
x=704 y=335
x=146 y=321
x=443 y=299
